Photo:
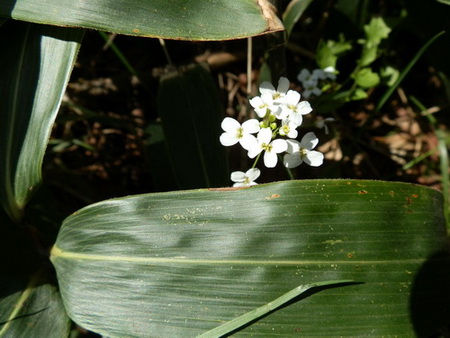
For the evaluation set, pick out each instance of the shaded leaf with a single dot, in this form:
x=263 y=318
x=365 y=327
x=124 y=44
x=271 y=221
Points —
x=32 y=309
x=175 y=19
x=293 y=13
x=35 y=64
x=182 y=263
x=29 y=307
x=191 y=117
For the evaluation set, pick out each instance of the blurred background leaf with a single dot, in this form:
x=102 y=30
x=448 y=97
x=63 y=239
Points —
x=182 y=263
x=35 y=64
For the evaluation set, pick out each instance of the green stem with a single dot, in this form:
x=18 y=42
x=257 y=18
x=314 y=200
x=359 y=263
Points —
x=256 y=160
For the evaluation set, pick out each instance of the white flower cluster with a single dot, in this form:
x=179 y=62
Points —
x=310 y=80
x=281 y=113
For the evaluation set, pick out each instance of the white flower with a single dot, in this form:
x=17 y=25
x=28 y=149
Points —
x=330 y=73
x=299 y=152
x=279 y=93
x=322 y=123
x=271 y=148
x=262 y=103
x=310 y=81
x=245 y=179
x=306 y=76
x=288 y=128
x=235 y=132
x=293 y=109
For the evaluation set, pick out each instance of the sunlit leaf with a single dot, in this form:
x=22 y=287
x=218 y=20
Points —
x=175 y=19
x=182 y=263
x=35 y=63
x=366 y=78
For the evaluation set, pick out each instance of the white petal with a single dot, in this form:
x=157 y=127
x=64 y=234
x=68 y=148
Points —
x=256 y=102
x=292 y=98
x=266 y=87
x=293 y=133
x=239 y=185
x=319 y=74
x=304 y=74
x=292 y=160
x=254 y=150
x=304 y=108
x=309 y=141
x=316 y=91
x=278 y=146
x=237 y=176
x=248 y=141
x=253 y=173
x=296 y=118
x=283 y=85
x=230 y=125
x=228 y=139
x=314 y=158
x=265 y=135
x=270 y=159
x=251 y=126
x=293 y=146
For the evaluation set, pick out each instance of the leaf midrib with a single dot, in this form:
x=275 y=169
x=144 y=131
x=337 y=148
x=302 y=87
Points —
x=59 y=253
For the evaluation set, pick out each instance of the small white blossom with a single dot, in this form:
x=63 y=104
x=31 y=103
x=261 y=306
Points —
x=330 y=73
x=271 y=148
x=322 y=123
x=246 y=179
x=277 y=94
x=299 y=152
x=293 y=108
x=263 y=103
x=235 y=132
x=288 y=128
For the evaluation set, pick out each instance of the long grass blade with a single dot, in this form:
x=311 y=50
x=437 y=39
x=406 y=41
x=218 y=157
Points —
x=256 y=314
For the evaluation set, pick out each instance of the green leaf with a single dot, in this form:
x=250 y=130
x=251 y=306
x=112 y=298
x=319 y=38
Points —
x=357 y=94
x=191 y=117
x=366 y=78
x=35 y=64
x=256 y=314
x=376 y=31
x=293 y=13
x=32 y=309
x=389 y=75
x=175 y=19
x=328 y=52
x=182 y=263
x=29 y=306
x=405 y=72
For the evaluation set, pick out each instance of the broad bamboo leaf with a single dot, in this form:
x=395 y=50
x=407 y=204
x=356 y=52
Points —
x=191 y=117
x=175 y=19
x=35 y=63
x=182 y=263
